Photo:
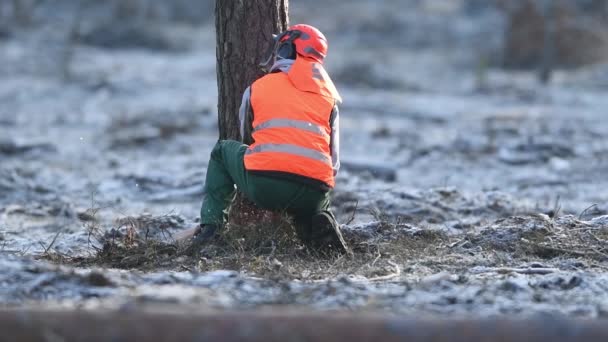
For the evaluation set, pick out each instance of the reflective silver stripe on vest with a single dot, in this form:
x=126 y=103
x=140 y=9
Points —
x=303 y=125
x=291 y=149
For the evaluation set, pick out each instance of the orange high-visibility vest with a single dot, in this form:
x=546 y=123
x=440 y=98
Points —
x=291 y=122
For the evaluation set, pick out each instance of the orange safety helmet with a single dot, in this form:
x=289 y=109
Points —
x=307 y=40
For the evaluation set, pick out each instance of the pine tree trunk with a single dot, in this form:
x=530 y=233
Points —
x=244 y=31
x=23 y=12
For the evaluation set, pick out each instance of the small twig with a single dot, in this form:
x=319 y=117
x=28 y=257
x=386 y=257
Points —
x=393 y=275
x=587 y=227
x=528 y=270
x=352 y=218
x=600 y=252
x=595 y=237
x=557 y=207
x=274 y=248
x=376 y=259
x=580 y=216
x=457 y=243
x=24 y=251
x=10 y=251
x=47 y=249
x=185 y=268
x=390 y=276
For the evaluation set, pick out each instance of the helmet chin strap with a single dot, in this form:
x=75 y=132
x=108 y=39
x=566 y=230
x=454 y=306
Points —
x=272 y=50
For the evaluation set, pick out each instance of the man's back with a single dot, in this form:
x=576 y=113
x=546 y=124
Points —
x=291 y=130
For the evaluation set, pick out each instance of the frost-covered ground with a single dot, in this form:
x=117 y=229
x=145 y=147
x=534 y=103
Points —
x=509 y=173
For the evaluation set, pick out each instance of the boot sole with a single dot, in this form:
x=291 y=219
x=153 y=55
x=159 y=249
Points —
x=331 y=237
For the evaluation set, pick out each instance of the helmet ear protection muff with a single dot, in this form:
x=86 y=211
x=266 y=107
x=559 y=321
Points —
x=283 y=46
x=286 y=50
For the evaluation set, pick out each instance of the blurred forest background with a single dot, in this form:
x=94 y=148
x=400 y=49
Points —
x=515 y=34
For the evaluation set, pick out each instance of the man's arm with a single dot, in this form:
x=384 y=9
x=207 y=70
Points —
x=334 y=142
x=246 y=118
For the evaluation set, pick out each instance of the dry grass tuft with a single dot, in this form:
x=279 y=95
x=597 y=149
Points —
x=545 y=237
x=264 y=244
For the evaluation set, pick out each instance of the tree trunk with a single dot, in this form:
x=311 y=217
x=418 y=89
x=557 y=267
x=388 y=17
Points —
x=23 y=11
x=548 y=53
x=244 y=32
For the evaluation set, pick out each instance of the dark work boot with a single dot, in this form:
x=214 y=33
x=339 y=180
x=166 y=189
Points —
x=326 y=234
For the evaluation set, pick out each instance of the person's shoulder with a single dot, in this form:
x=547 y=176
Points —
x=270 y=78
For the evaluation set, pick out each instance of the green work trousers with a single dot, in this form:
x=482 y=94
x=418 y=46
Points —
x=227 y=169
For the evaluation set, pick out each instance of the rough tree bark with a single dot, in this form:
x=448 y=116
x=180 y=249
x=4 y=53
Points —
x=243 y=32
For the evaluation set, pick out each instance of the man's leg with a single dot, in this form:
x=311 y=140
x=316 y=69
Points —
x=314 y=222
x=309 y=207
x=225 y=170
x=303 y=210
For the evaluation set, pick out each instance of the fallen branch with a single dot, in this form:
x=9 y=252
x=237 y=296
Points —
x=390 y=276
x=395 y=274
x=508 y=270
